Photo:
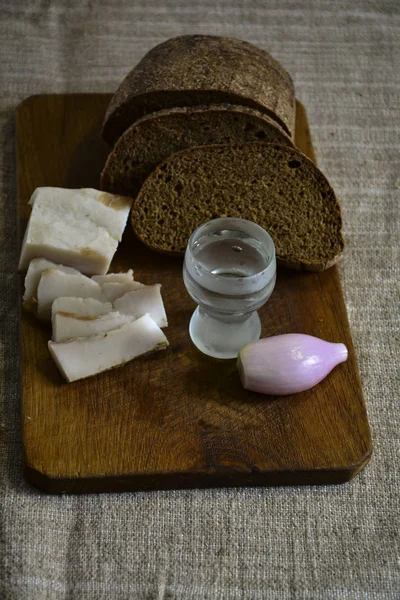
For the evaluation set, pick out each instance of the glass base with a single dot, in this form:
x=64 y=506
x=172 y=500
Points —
x=222 y=340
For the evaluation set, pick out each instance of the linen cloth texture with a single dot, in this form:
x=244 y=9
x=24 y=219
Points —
x=281 y=543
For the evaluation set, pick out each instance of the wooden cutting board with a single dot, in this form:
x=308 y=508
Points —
x=177 y=419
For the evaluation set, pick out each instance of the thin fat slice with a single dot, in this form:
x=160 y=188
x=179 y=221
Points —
x=67 y=326
x=80 y=307
x=32 y=278
x=114 y=290
x=83 y=357
x=54 y=284
x=114 y=277
x=146 y=300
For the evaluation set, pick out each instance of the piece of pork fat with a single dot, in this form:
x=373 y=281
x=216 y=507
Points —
x=83 y=357
x=67 y=326
x=54 y=284
x=146 y=300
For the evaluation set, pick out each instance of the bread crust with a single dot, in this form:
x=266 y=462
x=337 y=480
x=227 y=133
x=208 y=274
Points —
x=199 y=69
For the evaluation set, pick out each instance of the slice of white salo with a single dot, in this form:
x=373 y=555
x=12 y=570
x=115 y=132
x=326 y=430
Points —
x=83 y=357
x=80 y=307
x=146 y=300
x=114 y=277
x=54 y=284
x=32 y=278
x=114 y=290
x=67 y=326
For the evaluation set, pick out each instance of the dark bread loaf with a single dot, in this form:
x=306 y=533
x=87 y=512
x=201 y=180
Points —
x=275 y=186
x=150 y=140
x=195 y=70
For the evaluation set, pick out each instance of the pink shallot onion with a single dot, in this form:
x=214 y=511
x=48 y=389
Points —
x=287 y=364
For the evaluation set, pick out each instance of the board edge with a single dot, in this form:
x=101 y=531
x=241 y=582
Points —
x=194 y=480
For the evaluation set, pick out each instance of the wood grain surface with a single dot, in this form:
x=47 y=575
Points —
x=176 y=419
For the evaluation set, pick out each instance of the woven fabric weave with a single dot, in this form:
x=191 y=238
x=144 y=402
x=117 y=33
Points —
x=282 y=543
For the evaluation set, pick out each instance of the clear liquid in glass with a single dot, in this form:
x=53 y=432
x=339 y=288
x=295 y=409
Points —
x=230 y=274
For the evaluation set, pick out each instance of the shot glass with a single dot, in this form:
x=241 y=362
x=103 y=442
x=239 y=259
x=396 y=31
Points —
x=230 y=272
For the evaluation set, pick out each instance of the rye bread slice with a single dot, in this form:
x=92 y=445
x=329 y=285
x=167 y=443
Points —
x=151 y=139
x=195 y=70
x=273 y=185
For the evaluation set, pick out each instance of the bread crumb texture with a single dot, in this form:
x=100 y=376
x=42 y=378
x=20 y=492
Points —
x=275 y=186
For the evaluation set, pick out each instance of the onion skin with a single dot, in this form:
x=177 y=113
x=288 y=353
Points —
x=287 y=364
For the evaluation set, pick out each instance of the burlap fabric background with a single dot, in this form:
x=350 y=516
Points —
x=326 y=542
